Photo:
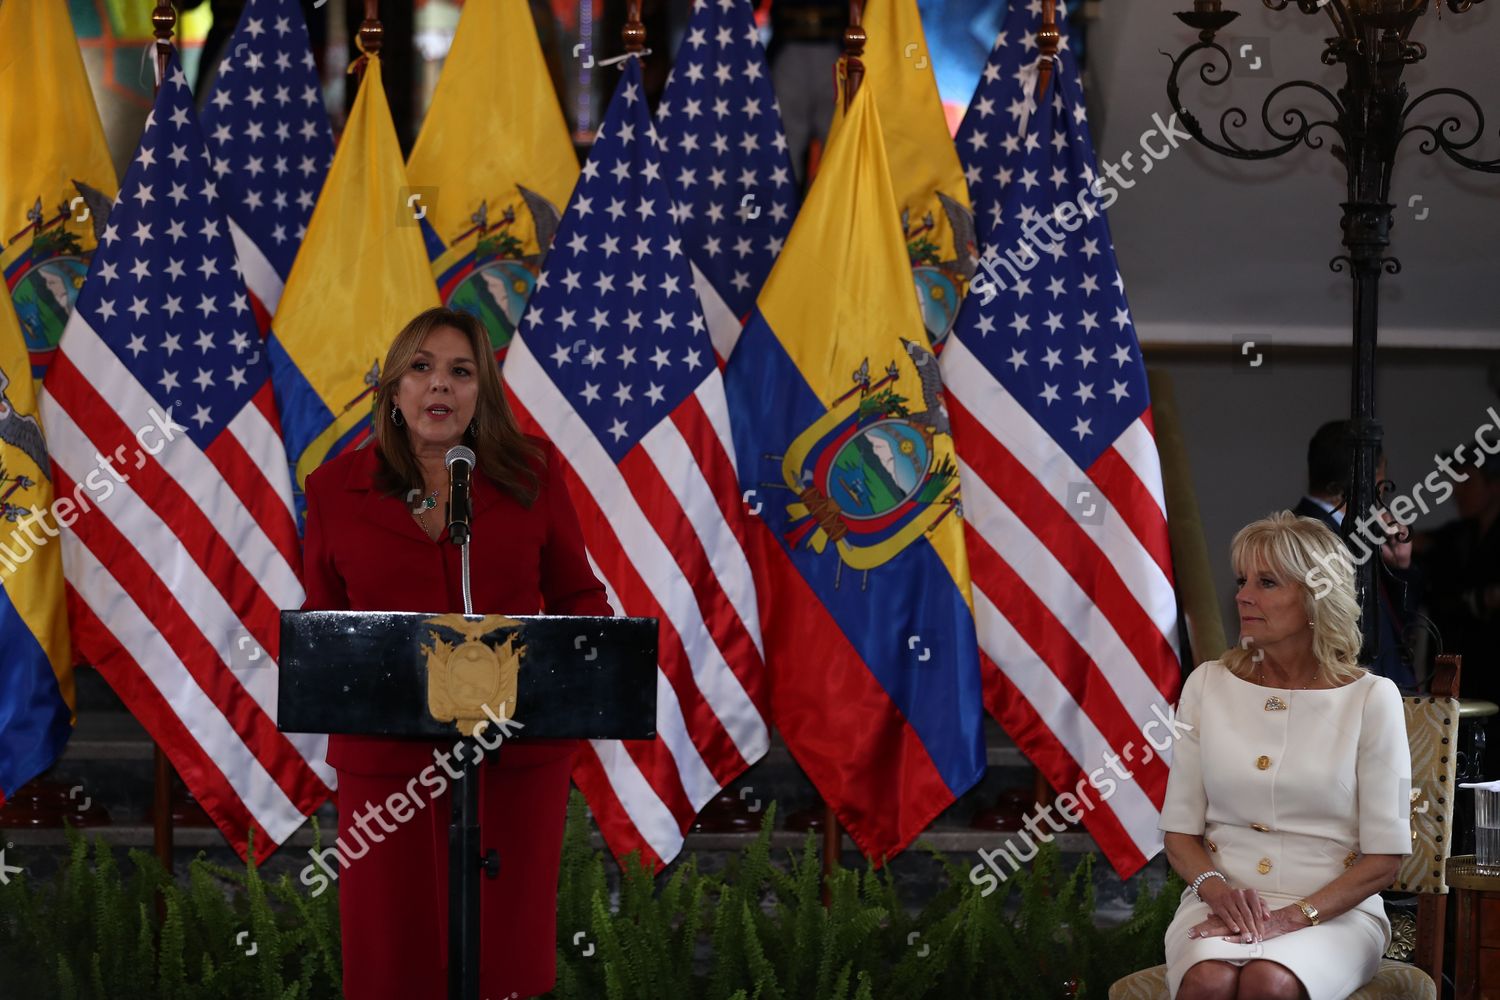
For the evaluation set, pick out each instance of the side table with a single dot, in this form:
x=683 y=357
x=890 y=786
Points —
x=1476 y=940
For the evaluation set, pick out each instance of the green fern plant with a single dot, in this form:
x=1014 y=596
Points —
x=93 y=933
x=761 y=930
x=756 y=931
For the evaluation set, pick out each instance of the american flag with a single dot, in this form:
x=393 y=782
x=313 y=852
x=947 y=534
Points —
x=992 y=138
x=1065 y=519
x=725 y=162
x=160 y=420
x=613 y=363
x=271 y=143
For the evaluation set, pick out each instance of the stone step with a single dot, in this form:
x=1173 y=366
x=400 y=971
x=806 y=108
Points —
x=114 y=734
x=93 y=693
x=110 y=755
x=195 y=838
x=108 y=735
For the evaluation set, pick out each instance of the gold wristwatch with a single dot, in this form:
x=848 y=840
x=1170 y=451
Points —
x=1308 y=910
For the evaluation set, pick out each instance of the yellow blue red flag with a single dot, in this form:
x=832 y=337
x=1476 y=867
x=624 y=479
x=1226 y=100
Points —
x=360 y=275
x=493 y=166
x=36 y=698
x=929 y=184
x=843 y=446
x=56 y=178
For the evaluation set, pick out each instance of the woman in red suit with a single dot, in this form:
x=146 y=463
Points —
x=376 y=540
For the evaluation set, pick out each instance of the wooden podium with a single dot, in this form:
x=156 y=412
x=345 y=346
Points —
x=441 y=676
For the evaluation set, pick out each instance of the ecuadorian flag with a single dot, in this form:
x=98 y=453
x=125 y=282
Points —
x=36 y=667
x=932 y=195
x=496 y=162
x=844 y=450
x=56 y=178
x=360 y=275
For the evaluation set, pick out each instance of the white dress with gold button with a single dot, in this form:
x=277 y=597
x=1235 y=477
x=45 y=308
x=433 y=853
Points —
x=1287 y=788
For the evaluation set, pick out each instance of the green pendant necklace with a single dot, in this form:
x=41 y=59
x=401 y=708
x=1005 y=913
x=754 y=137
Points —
x=428 y=503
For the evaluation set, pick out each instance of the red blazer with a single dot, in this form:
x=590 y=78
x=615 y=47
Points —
x=363 y=551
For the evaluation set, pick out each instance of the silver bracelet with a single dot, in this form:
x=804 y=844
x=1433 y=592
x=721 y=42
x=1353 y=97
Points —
x=1211 y=873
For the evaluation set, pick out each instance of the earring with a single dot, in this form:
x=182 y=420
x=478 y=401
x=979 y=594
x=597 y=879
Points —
x=396 y=417
x=473 y=429
x=1311 y=623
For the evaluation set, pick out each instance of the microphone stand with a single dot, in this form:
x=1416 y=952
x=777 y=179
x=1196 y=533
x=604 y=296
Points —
x=465 y=859
x=460 y=462
x=464 y=562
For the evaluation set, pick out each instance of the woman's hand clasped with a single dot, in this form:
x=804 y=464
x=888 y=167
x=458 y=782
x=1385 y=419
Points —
x=1238 y=912
x=1274 y=924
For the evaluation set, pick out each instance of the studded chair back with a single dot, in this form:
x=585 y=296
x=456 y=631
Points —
x=1432 y=731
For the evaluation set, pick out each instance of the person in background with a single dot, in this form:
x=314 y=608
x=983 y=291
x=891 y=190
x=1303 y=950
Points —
x=1330 y=463
x=807 y=39
x=1461 y=559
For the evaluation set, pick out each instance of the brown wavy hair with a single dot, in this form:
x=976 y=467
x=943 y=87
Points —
x=503 y=453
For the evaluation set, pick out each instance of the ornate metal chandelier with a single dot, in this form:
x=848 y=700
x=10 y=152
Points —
x=1368 y=118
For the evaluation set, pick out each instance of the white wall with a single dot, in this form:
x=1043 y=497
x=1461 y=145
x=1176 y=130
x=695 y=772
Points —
x=1213 y=247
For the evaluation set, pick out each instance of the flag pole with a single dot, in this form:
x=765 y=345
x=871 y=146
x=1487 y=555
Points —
x=833 y=837
x=634 y=32
x=854 y=75
x=368 y=41
x=163 y=25
x=854 y=47
x=1047 y=39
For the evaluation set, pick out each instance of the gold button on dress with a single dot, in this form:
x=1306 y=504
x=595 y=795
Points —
x=1262 y=762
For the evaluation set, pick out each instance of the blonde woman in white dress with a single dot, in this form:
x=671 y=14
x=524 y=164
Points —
x=1287 y=808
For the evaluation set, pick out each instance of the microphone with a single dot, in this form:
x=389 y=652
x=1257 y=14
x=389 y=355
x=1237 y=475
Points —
x=460 y=463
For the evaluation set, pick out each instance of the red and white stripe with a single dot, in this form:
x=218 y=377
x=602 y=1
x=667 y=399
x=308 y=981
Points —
x=1077 y=622
x=724 y=327
x=261 y=280
x=176 y=579
x=666 y=533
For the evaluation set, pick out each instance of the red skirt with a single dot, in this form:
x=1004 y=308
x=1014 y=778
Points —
x=393 y=894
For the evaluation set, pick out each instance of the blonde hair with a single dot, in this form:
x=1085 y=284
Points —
x=502 y=451
x=1303 y=552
